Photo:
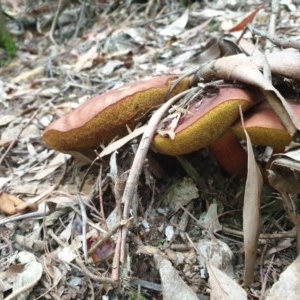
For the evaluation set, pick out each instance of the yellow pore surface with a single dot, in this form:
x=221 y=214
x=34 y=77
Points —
x=106 y=116
x=205 y=125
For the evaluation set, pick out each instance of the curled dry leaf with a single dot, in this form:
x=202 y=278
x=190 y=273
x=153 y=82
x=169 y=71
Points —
x=242 y=68
x=10 y=204
x=285 y=62
x=251 y=213
x=284 y=172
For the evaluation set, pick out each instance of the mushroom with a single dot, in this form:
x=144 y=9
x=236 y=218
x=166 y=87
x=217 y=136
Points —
x=105 y=116
x=208 y=125
x=265 y=128
x=230 y=154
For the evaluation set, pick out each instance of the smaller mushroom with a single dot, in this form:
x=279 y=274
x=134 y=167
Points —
x=265 y=128
x=208 y=125
x=230 y=154
x=105 y=116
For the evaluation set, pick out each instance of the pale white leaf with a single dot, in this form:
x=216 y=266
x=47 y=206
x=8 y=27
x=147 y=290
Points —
x=288 y=285
x=177 y=26
x=222 y=286
x=251 y=213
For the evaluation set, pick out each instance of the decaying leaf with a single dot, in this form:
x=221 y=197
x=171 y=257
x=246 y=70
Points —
x=210 y=220
x=288 y=285
x=180 y=194
x=284 y=172
x=28 y=276
x=216 y=253
x=10 y=204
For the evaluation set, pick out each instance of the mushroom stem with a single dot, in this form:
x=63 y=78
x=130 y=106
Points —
x=230 y=154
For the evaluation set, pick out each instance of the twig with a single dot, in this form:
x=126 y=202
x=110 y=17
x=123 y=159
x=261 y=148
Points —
x=101 y=198
x=84 y=226
x=265 y=279
x=107 y=236
x=282 y=42
x=262 y=236
x=135 y=171
x=116 y=261
x=80 y=263
x=62 y=4
x=82 y=9
x=272 y=24
x=23 y=289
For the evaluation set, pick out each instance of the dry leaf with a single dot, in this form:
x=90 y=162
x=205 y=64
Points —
x=180 y=194
x=284 y=172
x=66 y=254
x=222 y=286
x=28 y=277
x=111 y=66
x=112 y=147
x=285 y=62
x=58 y=160
x=87 y=59
x=245 y=21
x=177 y=26
x=217 y=253
x=6 y=119
x=174 y=288
x=251 y=213
x=210 y=220
x=284 y=181
x=242 y=68
x=10 y=204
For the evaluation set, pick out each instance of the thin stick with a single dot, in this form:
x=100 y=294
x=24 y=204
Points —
x=135 y=171
x=281 y=42
x=272 y=25
x=20 y=132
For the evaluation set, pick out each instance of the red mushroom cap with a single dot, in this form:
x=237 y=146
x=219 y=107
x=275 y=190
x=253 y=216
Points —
x=105 y=116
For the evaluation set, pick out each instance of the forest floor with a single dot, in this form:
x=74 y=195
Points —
x=55 y=206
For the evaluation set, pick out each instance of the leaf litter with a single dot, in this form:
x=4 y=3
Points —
x=86 y=49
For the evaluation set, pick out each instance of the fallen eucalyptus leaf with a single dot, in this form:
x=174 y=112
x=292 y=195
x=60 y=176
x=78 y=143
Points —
x=222 y=286
x=251 y=213
x=174 y=288
x=288 y=285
